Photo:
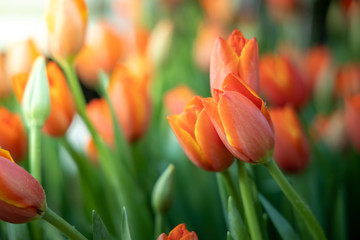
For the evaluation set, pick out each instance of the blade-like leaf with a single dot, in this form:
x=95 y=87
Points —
x=100 y=231
x=125 y=229
x=236 y=224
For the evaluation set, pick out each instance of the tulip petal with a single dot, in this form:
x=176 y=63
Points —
x=249 y=65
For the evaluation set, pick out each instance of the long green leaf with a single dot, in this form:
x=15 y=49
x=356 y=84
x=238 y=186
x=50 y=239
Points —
x=100 y=231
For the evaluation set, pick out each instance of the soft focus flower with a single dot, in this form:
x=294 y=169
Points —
x=219 y=11
x=347 y=81
x=61 y=100
x=281 y=82
x=241 y=119
x=22 y=198
x=5 y=84
x=176 y=99
x=103 y=49
x=130 y=97
x=237 y=55
x=199 y=139
x=291 y=151
x=352 y=120
x=179 y=233
x=13 y=135
x=66 y=23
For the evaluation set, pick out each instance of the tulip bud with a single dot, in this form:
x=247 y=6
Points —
x=179 y=233
x=13 y=134
x=22 y=198
x=347 y=83
x=176 y=99
x=5 y=88
x=291 y=151
x=163 y=192
x=66 y=22
x=352 y=116
x=36 y=100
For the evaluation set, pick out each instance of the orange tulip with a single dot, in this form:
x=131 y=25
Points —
x=66 y=23
x=179 y=233
x=176 y=99
x=237 y=55
x=5 y=84
x=104 y=47
x=291 y=151
x=281 y=81
x=130 y=97
x=219 y=11
x=22 y=198
x=352 y=116
x=62 y=104
x=13 y=134
x=241 y=120
x=348 y=80
x=198 y=138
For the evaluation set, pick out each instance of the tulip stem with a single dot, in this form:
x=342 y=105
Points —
x=296 y=200
x=35 y=152
x=63 y=226
x=248 y=201
x=159 y=223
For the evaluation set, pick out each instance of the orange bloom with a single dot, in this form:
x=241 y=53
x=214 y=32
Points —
x=352 y=116
x=66 y=22
x=291 y=151
x=179 y=233
x=241 y=119
x=348 y=80
x=130 y=97
x=13 y=134
x=5 y=84
x=219 y=11
x=281 y=81
x=104 y=47
x=237 y=55
x=62 y=104
x=176 y=99
x=22 y=198
x=199 y=139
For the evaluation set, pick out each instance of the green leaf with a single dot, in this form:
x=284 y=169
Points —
x=236 y=224
x=100 y=231
x=125 y=229
x=281 y=224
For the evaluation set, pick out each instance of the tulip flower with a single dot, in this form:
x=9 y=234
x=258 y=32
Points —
x=291 y=151
x=129 y=95
x=5 y=84
x=241 y=119
x=22 y=198
x=199 y=139
x=13 y=134
x=347 y=83
x=179 y=233
x=176 y=99
x=237 y=55
x=66 y=23
x=281 y=81
x=61 y=100
x=219 y=11
x=352 y=116
x=103 y=49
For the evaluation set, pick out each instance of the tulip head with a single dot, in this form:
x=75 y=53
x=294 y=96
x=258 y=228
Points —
x=242 y=121
x=199 y=139
x=291 y=151
x=163 y=191
x=176 y=99
x=66 y=23
x=22 y=198
x=179 y=233
x=347 y=83
x=352 y=116
x=5 y=89
x=237 y=55
x=13 y=134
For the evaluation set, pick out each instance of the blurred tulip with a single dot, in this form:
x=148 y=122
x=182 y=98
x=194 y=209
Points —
x=22 y=198
x=219 y=11
x=199 y=139
x=242 y=121
x=20 y=57
x=66 y=23
x=352 y=116
x=176 y=99
x=291 y=151
x=281 y=82
x=103 y=49
x=204 y=43
x=348 y=80
x=61 y=100
x=5 y=84
x=179 y=233
x=280 y=10
x=237 y=55
x=13 y=135
x=130 y=97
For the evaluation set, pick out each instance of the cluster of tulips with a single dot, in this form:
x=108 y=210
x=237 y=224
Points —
x=260 y=112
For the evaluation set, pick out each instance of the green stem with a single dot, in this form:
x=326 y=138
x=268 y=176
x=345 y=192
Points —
x=159 y=224
x=248 y=201
x=35 y=152
x=296 y=200
x=62 y=225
